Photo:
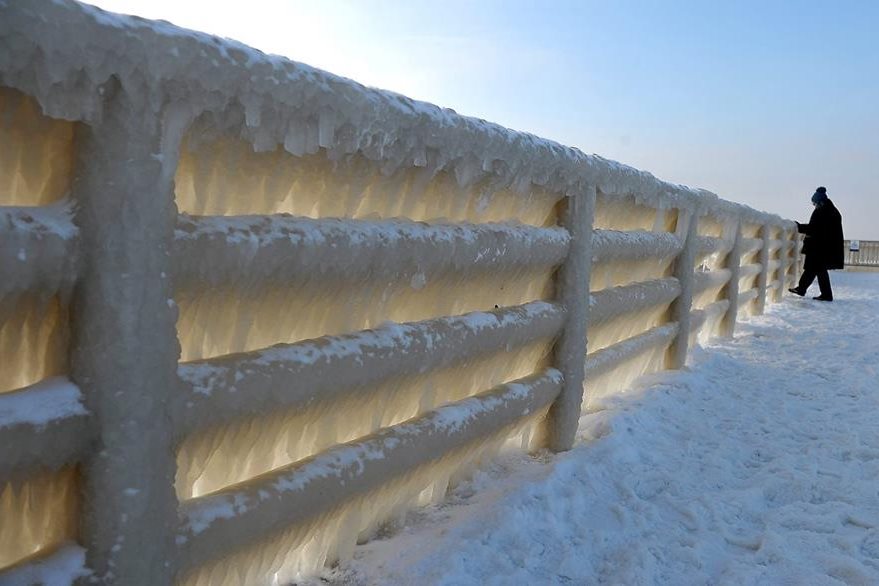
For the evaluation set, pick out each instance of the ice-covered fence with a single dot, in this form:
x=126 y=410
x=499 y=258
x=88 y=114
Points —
x=862 y=253
x=251 y=311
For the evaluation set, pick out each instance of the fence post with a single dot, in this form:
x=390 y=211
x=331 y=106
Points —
x=763 y=277
x=572 y=291
x=734 y=265
x=124 y=344
x=684 y=272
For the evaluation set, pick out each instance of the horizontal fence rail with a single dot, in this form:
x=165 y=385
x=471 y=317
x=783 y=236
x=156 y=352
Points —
x=41 y=237
x=214 y=250
x=251 y=311
x=42 y=426
x=296 y=375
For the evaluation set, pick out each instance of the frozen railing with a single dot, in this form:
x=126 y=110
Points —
x=862 y=253
x=251 y=311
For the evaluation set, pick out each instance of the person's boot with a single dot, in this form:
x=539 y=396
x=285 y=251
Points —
x=796 y=291
x=822 y=298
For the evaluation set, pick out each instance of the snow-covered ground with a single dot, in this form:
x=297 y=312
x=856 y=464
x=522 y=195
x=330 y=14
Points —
x=758 y=464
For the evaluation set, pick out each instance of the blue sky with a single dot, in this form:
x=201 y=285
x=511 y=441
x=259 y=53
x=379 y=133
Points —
x=757 y=101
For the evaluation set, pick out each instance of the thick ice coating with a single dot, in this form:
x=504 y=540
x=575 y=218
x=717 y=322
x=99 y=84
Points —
x=36 y=152
x=38 y=244
x=363 y=466
x=233 y=90
x=247 y=283
x=348 y=270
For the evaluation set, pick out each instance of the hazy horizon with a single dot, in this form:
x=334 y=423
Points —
x=759 y=102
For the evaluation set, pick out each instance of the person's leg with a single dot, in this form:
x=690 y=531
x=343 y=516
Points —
x=805 y=281
x=824 y=283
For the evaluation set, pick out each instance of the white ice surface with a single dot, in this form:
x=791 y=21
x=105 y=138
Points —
x=758 y=464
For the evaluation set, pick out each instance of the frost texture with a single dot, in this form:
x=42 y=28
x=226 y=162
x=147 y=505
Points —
x=38 y=514
x=710 y=319
x=225 y=177
x=612 y=370
x=38 y=264
x=37 y=243
x=225 y=455
x=215 y=322
x=626 y=257
x=259 y=282
x=33 y=341
x=632 y=213
x=708 y=286
x=250 y=250
x=374 y=461
x=36 y=152
x=606 y=275
x=621 y=312
x=305 y=549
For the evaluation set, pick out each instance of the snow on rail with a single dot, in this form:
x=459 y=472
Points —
x=704 y=280
x=613 y=245
x=62 y=567
x=41 y=404
x=615 y=301
x=280 y=248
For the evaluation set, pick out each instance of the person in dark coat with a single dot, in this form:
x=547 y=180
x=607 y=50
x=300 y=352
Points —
x=823 y=246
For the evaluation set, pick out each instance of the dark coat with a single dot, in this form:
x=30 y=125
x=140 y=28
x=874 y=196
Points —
x=823 y=245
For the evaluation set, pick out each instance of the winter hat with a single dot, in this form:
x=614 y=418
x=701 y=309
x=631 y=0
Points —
x=820 y=195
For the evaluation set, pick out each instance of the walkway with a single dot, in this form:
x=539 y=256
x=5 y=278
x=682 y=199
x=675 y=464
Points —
x=757 y=465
